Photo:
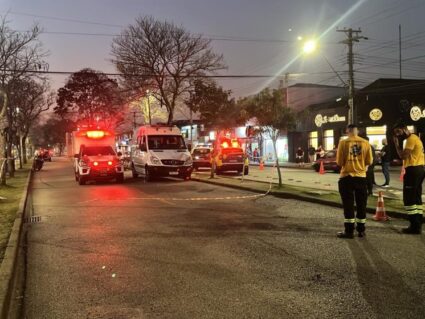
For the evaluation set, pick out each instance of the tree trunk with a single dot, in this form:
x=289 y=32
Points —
x=20 y=153
x=279 y=174
x=10 y=159
x=24 y=149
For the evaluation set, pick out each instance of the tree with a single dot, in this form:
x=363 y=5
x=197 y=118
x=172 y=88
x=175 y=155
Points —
x=90 y=96
x=51 y=133
x=28 y=99
x=272 y=116
x=164 y=58
x=20 y=52
x=216 y=107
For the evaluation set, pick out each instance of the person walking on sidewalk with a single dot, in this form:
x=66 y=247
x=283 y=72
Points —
x=353 y=156
x=385 y=162
x=299 y=157
x=413 y=162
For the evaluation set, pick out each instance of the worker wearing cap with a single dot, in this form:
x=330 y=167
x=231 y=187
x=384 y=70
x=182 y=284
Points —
x=413 y=162
x=353 y=156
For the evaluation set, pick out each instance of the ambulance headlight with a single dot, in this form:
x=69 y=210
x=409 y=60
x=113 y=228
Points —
x=188 y=161
x=155 y=160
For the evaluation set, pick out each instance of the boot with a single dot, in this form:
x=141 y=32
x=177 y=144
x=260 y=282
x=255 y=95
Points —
x=348 y=231
x=361 y=229
x=415 y=227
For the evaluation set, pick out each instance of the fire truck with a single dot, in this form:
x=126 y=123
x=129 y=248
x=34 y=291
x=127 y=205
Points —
x=95 y=157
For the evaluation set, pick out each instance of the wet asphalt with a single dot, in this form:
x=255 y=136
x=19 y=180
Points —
x=182 y=249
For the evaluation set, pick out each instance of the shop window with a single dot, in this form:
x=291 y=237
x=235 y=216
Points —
x=376 y=134
x=313 y=139
x=329 y=140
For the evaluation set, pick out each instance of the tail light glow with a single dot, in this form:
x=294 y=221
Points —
x=95 y=134
x=95 y=163
x=110 y=163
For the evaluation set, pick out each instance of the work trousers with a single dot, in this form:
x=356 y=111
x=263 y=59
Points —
x=386 y=172
x=353 y=189
x=412 y=189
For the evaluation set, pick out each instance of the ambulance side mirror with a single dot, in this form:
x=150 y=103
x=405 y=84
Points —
x=143 y=147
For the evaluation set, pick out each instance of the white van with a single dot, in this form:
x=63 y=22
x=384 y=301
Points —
x=159 y=150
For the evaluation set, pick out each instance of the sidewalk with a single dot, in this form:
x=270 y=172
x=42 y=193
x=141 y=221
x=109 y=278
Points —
x=325 y=194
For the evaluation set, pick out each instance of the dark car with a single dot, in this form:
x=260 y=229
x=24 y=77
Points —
x=201 y=157
x=47 y=155
x=329 y=162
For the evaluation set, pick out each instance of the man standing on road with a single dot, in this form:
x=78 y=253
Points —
x=385 y=161
x=353 y=156
x=413 y=162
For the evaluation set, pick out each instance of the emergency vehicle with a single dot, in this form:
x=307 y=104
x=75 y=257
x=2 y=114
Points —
x=229 y=156
x=95 y=157
x=160 y=150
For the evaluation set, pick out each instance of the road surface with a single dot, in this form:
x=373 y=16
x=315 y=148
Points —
x=175 y=249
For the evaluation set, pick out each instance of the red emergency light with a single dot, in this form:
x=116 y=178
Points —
x=96 y=134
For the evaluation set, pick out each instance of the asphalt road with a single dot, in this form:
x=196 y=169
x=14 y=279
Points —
x=175 y=249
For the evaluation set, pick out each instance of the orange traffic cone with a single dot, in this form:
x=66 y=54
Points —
x=261 y=165
x=322 y=168
x=380 y=214
x=403 y=171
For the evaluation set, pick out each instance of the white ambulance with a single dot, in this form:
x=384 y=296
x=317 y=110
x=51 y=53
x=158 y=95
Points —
x=95 y=157
x=159 y=150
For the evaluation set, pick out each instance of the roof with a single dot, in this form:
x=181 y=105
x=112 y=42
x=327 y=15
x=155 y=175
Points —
x=390 y=84
x=313 y=85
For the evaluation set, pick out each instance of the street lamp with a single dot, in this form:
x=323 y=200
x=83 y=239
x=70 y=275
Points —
x=309 y=46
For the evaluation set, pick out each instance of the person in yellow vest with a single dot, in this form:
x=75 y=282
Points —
x=353 y=156
x=413 y=162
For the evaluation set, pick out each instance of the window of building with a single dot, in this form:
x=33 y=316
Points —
x=328 y=136
x=376 y=134
x=313 y=139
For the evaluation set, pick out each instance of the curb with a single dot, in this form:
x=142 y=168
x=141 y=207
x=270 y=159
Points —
x=8 y=265
x=287 y=195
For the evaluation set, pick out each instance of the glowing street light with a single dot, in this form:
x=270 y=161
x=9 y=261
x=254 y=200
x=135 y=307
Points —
x=309 y=46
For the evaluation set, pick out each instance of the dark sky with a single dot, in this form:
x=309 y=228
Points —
x=245 y=31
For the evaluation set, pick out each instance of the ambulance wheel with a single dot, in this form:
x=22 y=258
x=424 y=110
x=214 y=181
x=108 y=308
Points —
x=120 y=178
x=133 y=171
x=81 y=180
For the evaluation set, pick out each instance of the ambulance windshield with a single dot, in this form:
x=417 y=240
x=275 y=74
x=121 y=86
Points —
x=166 y=142
x=97 y=151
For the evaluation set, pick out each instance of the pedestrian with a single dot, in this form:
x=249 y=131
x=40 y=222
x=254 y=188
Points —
x=353 y=156
x=299 y=157
x=370 y=173
x=413 y=162
x=256 y=155
x=311 y=153
x=320 y=152
x=385 y=162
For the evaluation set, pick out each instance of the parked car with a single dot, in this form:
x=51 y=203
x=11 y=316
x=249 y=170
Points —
x=201 y=156
x=329 y=162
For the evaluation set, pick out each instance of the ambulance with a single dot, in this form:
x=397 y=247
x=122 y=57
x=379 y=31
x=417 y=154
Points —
x=160 y=150
x=95 y=157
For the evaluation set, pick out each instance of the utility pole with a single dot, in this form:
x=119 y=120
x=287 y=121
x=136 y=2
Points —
x=352 y=36
x=399 y=47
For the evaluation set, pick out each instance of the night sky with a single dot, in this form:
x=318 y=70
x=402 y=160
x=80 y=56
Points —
x=253 y=35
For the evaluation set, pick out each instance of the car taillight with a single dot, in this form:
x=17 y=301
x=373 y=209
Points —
x=95 y=163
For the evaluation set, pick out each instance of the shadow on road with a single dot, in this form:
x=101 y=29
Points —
x=382 y=285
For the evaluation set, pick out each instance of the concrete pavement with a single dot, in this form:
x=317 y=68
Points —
x=174 y=249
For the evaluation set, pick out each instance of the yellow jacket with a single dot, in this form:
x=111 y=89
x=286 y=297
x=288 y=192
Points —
x=354 y=156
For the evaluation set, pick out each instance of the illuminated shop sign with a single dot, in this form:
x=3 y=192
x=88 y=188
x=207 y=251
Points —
x=416 y=113
x=323 y=119
x=375 y=114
